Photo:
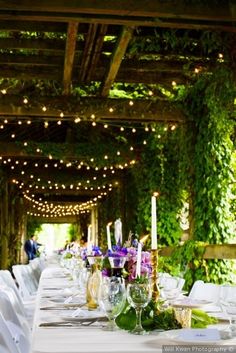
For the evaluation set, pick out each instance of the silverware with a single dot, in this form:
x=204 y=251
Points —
x=57 y=308
x=83 y=322
x=64 y=307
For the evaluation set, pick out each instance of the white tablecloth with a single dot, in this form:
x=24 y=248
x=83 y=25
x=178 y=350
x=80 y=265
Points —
x=85 y=339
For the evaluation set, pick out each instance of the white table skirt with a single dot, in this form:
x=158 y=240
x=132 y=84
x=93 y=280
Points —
x=85 y=339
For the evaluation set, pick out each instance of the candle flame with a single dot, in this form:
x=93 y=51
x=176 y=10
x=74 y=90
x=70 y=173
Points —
x=109 y=224
x=156 y=193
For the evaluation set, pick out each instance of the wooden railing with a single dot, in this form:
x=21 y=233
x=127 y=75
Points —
x=213 y=251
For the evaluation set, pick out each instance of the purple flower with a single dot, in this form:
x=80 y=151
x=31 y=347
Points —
x=146 y=268
x=96 y=251
x=117 y=251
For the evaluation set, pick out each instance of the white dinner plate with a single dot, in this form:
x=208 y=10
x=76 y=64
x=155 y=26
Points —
x=190 y=303
x=220 y=316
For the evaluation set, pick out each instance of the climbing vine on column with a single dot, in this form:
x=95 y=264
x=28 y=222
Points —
x=209 y=104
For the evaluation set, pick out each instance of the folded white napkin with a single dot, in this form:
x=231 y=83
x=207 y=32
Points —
x=212 y=309
x=84 y=313
x=191 y=303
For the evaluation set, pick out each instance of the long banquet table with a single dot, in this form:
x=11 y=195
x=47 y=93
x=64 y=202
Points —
x=82 y=339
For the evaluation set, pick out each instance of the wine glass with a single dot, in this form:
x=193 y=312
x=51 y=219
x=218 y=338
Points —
x=170 y=289
x=82 y=280
x=139 y=295
x=112 y=298
x=117 y=264
x=228 y=306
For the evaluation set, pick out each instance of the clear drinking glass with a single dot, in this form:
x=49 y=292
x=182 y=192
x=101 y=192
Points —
x=170 y=289
x=228 y=306
x=112 y=299
x=139 y=295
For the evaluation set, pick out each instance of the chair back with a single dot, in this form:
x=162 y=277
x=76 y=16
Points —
x=7 y=344
x=19 y=328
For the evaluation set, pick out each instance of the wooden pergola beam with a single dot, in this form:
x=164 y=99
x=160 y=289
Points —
x=97 y=50
x=33 y=26
x=69 y=56
x=156 y=13
x=168 y=64
x=88 y=51
x=26 y=73
x=142 y=110
x=116 y=59
x=63 y=219
x=158 y=8
x=56 y=47
x=59 y=194
x=64 y=176
x=63 y=198
x=123 y=21
x=212 y=251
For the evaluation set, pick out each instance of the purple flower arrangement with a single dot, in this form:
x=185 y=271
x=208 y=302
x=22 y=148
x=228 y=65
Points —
x=96 y=251
x=122 y=258
x=130 y=254
x=146 y=268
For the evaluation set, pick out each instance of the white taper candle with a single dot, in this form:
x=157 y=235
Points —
x=154 y=224
x=109 y=237
x=139 y=258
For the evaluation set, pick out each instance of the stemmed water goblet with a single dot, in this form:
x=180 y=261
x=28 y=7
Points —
x=139 y=295
x=228 y=306
x=170 y=289
x=112 y=299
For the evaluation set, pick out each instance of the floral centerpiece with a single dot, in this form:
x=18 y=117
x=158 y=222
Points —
x=95 y=251
x=125 y=258
x=155 y=315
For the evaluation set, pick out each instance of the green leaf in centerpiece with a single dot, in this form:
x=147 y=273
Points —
x=153 y=318
x=127 y=319
x=201 y=319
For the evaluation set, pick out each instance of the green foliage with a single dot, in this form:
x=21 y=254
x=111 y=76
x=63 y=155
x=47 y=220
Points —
x=161 y=169
x=103 y=145
x=73 y=232
x=189 y=258
x=207 y=104
x=181 y=43
x=33 y=226
x=153 y=319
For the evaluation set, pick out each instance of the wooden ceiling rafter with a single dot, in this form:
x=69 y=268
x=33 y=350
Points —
x=97 y=51
x=132 y=13
x=69 y=56
x=157 y=8
x=73 y=192
x=88 y=51
x=123 y=76
x=116 y=59
x=67 y=198
x=52 y=55
x=66 y=174
x=160 y=65
x=142 y=110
